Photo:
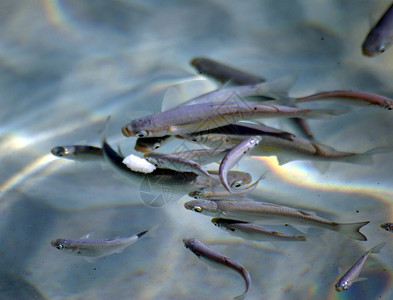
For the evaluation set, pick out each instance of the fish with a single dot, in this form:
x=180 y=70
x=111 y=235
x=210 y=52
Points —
x=95 y=247
x=352 y=275
x=234 y=155
x=365 y=97
x=252 y=211
x=174 y=162
x=198 y=117
x=287 y=150
x=217 y=259
x=253 y=232
x=387 y=226
x=78 y=152
x=203 y=156
x=224 y=73
x=380 y=36
x=149 y=144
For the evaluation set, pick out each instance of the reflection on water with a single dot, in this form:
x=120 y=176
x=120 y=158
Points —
x=67 y=65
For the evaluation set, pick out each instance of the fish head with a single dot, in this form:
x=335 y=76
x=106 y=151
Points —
x=154 y=160
x=140 y=128
x=374 y=45
x=196 y=194
x=61 y=244
x=342 y=285
x=206 y=207
x=61 y=151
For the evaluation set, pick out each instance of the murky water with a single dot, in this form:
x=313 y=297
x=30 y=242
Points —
x=67 y=65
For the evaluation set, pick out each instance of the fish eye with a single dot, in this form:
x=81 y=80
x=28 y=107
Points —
x=381 y=49
x=197 y=209
x=141 y=133
x=237 y=184
x=59 y=246
x=156 y=146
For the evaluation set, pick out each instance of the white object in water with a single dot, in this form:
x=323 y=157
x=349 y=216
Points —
x=138 y=164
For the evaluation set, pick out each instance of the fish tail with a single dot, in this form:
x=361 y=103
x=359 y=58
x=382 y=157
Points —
x=378 y=247
x=352 y=230
x=140 y=234
x=366 y=158
x=324 y=114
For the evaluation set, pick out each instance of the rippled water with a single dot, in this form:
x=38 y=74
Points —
x=67 y=65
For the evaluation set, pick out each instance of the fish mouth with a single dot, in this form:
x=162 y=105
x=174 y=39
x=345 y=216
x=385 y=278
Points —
x=369 y=53
x=126 y=131
x=143 y=149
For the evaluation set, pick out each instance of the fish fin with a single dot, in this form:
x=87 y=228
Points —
x=140 y=234
x=341 y=271
x=321 y=166
x=172 y=98
x=279 y=86
x=352 y=230
x=283 y=160
x=366 y=157
x=378 y=247
x=86 y=236
x=91 y=260
x=324 y=114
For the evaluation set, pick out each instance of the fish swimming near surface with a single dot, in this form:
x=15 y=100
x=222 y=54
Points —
x=78 y=152
x=216 y=259
x=95 y=248
x=380 y=36
x=250 y=231
x=267 y=213
x=198 y=117
x=352 y=274
x=149 y=144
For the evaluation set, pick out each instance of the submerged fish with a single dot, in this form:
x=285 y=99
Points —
x=234 y=155
x=370 y=98
x=78 y=152
x=352 y=274
x=266 y=213
x=253 y=232
x=202 y=251
x=150 y=144
x=381 y=35
x=198 y=117
x=224 y=73
x=95 y=248
x=387 y=226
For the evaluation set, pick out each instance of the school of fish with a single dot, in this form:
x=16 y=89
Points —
x=227 y=126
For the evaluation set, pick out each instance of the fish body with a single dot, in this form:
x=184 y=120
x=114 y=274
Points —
x=202 y=251
x=253 y=232
x=380 y=36
x=78 y=152
x=252 y=211
x=224 y=73
x=198 y=117
x=360 y=96
x=95 y=248
x=203 y=156
x=175 y=162
x=352 y=274
x=234 y=155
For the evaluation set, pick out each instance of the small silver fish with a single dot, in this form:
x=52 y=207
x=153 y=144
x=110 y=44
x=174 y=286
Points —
x=365 y=97
x=224 y=73
x=253 y=232
x=202 y=251
x=234 y=155
x=78 y=152
x=353 y=273
x=267 y=213
x=95 y=248
x=175 y=162
x=198 y=117
x=380 y=36
x=387 y=226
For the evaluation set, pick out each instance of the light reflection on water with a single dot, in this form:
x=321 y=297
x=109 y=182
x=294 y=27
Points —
x=67 y=65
